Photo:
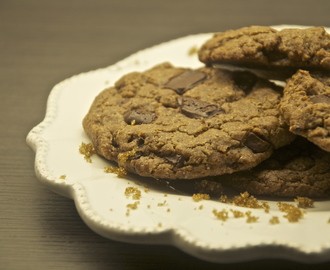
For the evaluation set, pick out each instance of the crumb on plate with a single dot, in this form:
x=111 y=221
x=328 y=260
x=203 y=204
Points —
x=237 y=214
x=304 y=202
x=293 y=213
x=119 y=171
x=134 y=192
x=200 y=196
x=222 y=215
x=249 y=201
x=274 y=220
x=87 y=149
x=133 y=206
x=250 y=218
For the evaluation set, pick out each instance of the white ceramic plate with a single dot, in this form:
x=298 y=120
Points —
x=160 y=218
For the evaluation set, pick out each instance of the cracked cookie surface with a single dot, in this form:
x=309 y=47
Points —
x=177 y=123
x=298 y=169
x=305 y=106
x=264 y=47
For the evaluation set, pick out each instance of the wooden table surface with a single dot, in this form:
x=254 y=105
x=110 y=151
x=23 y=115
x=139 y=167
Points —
x=44 y=42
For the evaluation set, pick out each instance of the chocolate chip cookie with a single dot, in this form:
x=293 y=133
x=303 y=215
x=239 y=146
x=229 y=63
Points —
x=178 y=123
x=305 y=106
x=277 y=54
x=298 y=169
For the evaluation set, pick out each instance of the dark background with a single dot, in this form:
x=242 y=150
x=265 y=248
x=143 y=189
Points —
x=42 y=43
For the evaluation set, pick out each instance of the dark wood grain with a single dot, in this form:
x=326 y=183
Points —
x=44 y=42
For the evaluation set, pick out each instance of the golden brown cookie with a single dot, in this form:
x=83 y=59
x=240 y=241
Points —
x=299 y=169
x=177 y=123
x=305 y=106
x=277 y=53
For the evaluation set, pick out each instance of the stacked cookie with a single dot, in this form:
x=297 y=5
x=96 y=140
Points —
x=176 y=123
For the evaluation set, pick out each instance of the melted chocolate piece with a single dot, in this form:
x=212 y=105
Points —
x=321 y=99
x=195 y=108
x=139 y=117
x=185 y=81
x=255 y=143
x=245 y=80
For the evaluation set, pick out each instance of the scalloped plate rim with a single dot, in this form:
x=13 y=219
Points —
x=169 y=236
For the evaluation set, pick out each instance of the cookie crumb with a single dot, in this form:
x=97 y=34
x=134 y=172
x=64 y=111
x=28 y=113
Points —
x=119 y=171
x=135 y=192
x=123 y=157
x=193 y=50
x=250 y=218
x=162 y=204
x=274 y=220
x=293 y=213
x=200 y=196
x=265 y=206
x=133 y=206
x=304 y=202
x=247 y=200
x=63 y=176
x=87 y=149
x=222 y=215
x=224 y=199
x=237 y=214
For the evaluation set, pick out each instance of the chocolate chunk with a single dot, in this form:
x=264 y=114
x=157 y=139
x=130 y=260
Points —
x=245 y=80
x=139 y=117
x=255 y=143
x=195 y=108
x=185 y=80
x=321 y=99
